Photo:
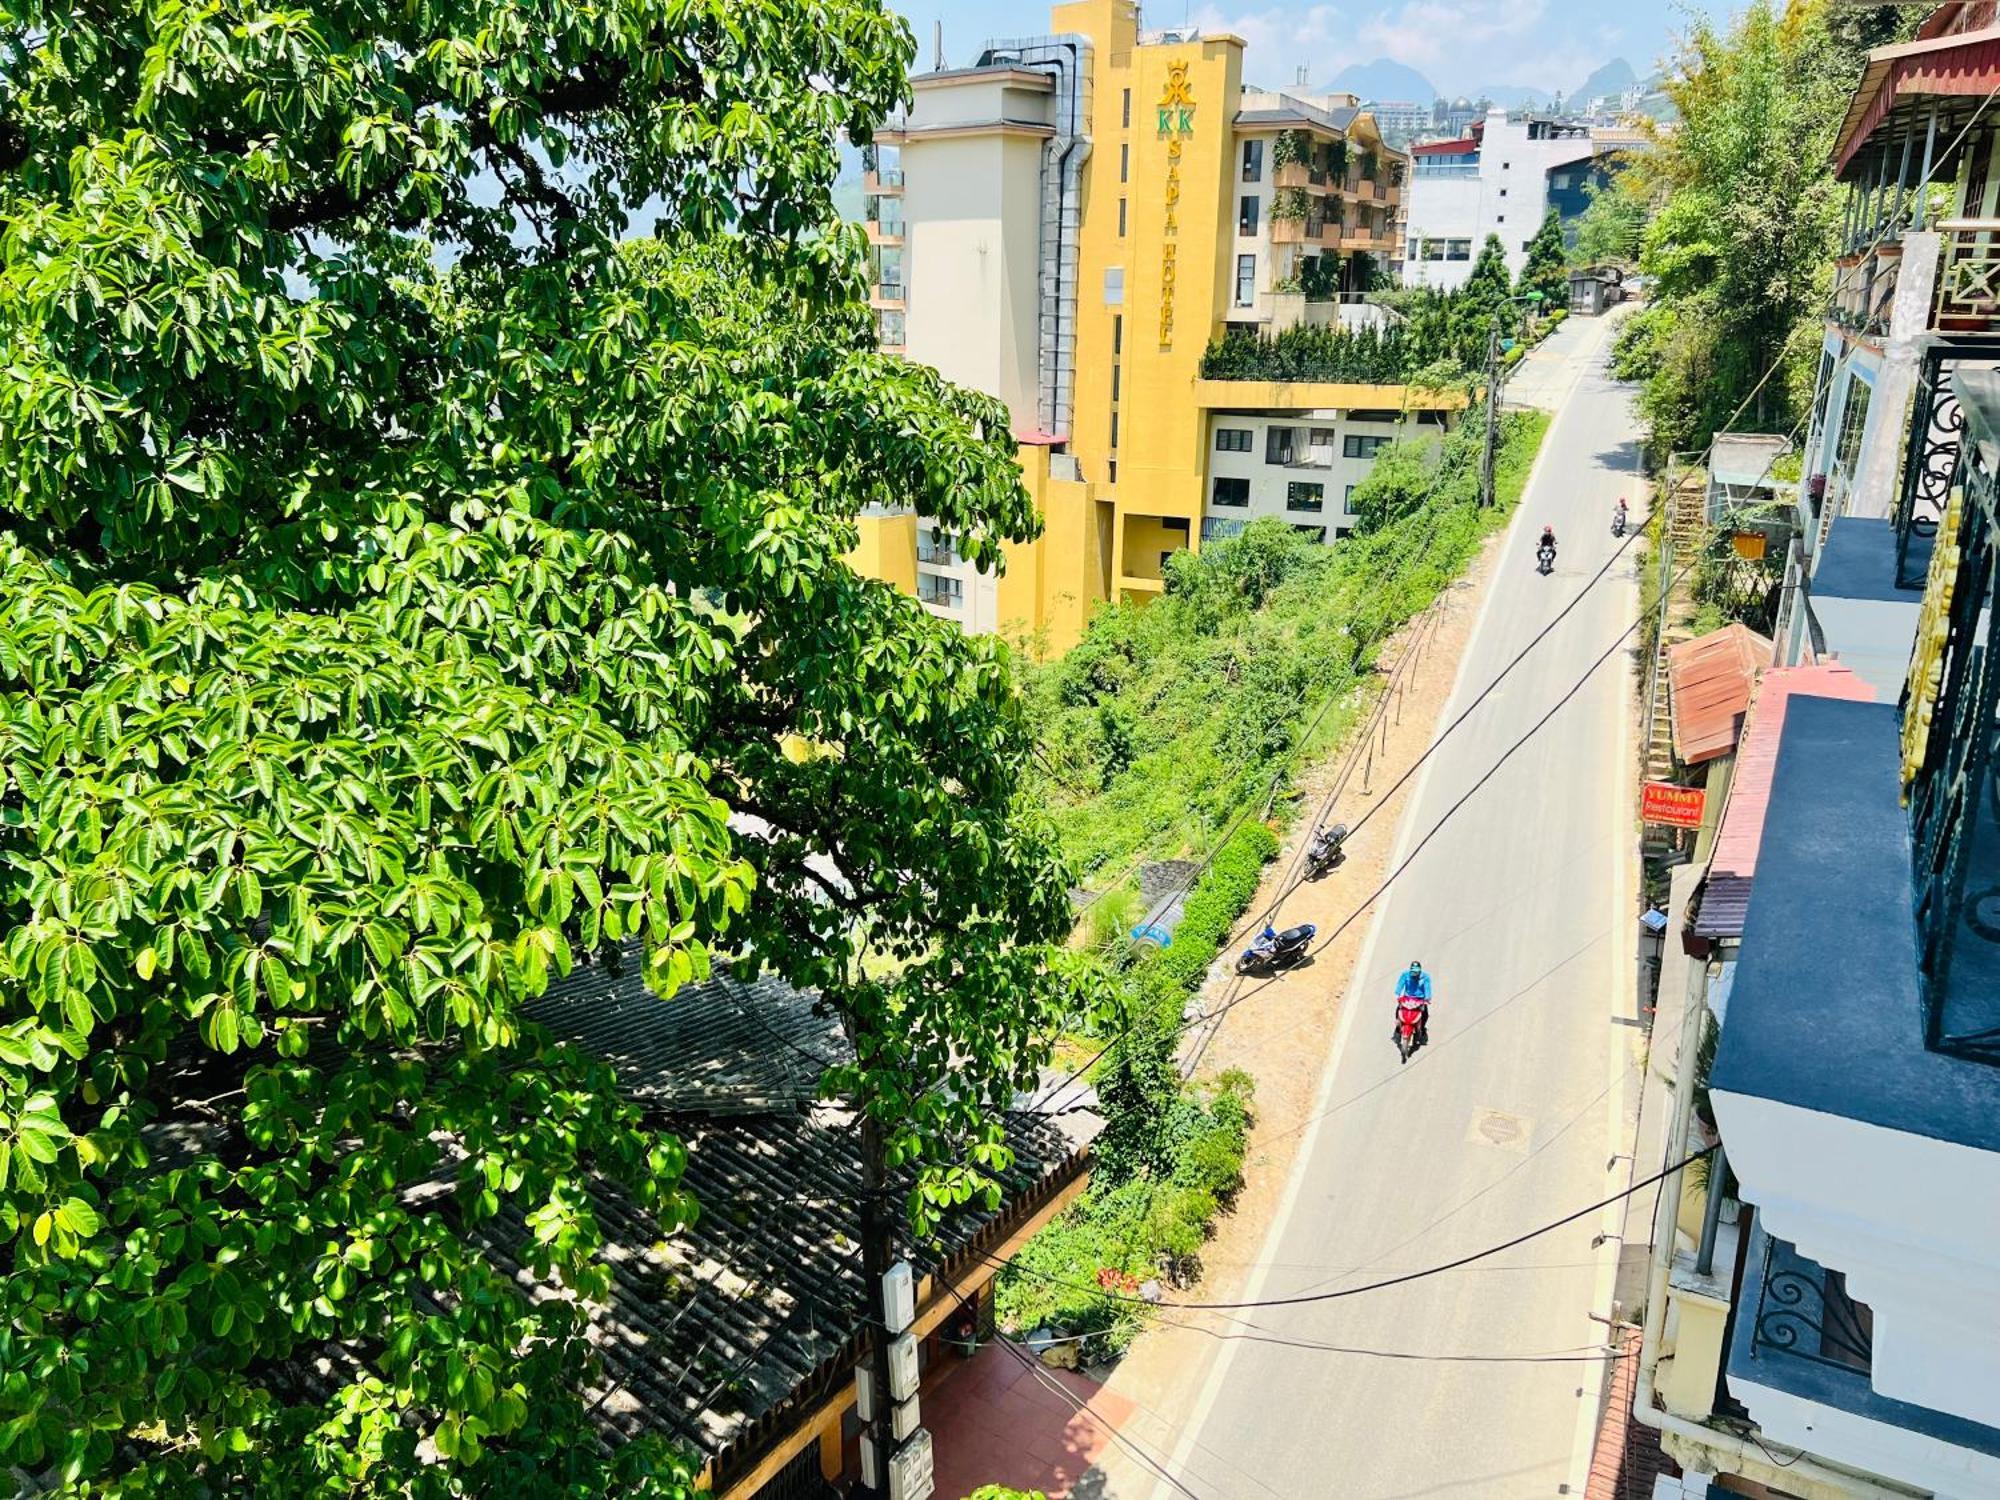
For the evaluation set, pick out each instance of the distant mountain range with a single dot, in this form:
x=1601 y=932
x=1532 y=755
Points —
x=1383 y=81
x=1615 y=77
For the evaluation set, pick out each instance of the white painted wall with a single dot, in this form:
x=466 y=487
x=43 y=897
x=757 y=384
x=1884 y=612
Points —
x=1509 y=197
x=1270 y=483
x=1914 y=1225
x=1947 y=1470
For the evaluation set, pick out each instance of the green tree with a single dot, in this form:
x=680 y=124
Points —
x=403 y=585
x=1547 y=268
x=1482 y=299
x=1740 y=250
x=1610 y=228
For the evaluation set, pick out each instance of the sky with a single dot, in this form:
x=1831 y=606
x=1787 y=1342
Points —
x=1460 y=45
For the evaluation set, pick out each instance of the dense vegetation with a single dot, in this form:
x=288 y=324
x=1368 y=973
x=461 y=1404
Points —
x=1169 y=717
x=1744 y=214
x=402 y=583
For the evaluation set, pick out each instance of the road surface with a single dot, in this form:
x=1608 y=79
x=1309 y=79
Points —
x=1519 y=906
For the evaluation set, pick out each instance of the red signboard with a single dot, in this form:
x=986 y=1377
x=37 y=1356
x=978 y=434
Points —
x=1676 y=806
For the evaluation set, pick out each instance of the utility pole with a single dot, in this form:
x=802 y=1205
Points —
x=896 y=1452
x=1486 y=495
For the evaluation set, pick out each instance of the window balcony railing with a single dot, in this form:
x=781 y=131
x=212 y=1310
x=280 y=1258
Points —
x=943 y=593
x=1950 y=723
x=933 y=550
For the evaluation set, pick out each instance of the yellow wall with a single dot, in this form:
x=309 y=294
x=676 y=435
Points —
x=888 y=550
x=1051 y=585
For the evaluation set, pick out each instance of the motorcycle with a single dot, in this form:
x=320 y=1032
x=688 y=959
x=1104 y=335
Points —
x=1325 y=853
x=1618 y=520
x=1269 y=954
x=1409 y=1026
x=1545 y=560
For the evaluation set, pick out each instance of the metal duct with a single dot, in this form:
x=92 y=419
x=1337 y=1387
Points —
x=1066 y=59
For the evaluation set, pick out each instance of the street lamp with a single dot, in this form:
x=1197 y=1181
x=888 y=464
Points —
x=1487 y=497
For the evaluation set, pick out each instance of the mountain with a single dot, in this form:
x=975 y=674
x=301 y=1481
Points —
x=1615 y=77
x=1512 y=95
x=1383 y=81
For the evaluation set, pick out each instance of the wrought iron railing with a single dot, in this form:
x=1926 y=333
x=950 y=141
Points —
x=1803 y=1310
x=1968 y=291
x=1950 y=725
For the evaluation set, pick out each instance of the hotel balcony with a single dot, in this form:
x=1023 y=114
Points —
x=889 y=180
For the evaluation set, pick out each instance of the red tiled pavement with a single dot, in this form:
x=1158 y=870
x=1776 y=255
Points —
x=995 y=1420
x=1627 y=1455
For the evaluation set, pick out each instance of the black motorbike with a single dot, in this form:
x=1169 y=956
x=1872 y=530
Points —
x=1545 y=559
x=1268 y=953
x=1618 y=521
x=1325 y=852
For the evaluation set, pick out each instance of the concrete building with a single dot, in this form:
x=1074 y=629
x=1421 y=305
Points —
x=1499 y=178
x=1823 y=1293
x=1067 y=225
x=1404 y=117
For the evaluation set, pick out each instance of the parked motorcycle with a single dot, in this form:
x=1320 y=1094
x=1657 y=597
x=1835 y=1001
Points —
x=1271 y=951
x=1410 y=1027
x=1618 y=520
x=1325 y=852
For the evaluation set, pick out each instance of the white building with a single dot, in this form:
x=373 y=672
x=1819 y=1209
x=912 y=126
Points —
x=1400 y=115
x=1302 y=467
x=1493 y=181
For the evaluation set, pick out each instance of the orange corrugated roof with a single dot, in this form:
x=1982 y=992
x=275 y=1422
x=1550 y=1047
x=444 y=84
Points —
x=1711 y=678
x=1726 y=896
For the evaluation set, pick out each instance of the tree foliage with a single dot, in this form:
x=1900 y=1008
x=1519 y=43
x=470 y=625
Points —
x=403 y=586
x=1547 y=268
x=1610 y=228
x=1739 y=252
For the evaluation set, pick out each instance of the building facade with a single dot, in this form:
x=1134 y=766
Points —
x=1067 y=225
x=1823 y=1291
x=1500 y=178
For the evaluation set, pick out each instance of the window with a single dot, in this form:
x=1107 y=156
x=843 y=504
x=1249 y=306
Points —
x=1354 y=445
x=1527 y=244
x=1121 y=218
x=1503 y=192
x=1302 y=496
x=1311 y=533
x=1347 y=501
x=934 y=546
x=1853 y=425
x=1253 y=161
x=889 y=329
x=1128 y=109
x=1118 y=328
x=1174 y=523
x=1559 y=181
x=1458 y=250
x=934 y=588
x=1246 y=215
x=1279 y=447
x=1112 y=469
x=1246 y=280
x=1232 y=440
x=1235 y=492
x=1342 y=531
x=1505 y=165
x=1114 y=288
x=1500 y=218
x=1117 y=373
x=1124 y=163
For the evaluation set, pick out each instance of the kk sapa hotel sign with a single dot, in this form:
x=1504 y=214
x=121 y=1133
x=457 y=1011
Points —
x=1176 y=116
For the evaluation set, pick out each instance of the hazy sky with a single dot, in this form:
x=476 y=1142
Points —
x=1457 y=44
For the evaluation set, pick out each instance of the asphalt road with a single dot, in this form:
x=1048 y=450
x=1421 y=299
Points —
x=1519 y=906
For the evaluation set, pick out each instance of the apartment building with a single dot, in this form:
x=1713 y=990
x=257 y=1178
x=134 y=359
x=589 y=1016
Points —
x=1499 y=178
x=1067 y=225
x=1823 y=1293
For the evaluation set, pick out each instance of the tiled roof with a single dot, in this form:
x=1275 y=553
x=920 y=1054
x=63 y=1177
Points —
x=1725 y=899
x=1627 y=1457
x=1710 y=679
x=720 y=1046
x=1462 y=147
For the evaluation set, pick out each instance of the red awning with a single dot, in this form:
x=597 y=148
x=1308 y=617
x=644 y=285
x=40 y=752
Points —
x=1940 y=67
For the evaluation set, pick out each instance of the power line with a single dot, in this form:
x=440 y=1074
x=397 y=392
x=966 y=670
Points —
x=1372 y=1286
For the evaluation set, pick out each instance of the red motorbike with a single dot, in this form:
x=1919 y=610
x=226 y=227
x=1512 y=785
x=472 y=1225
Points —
x=1412 y=1017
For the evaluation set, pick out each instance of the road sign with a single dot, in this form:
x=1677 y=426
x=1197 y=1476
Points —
x=1675 y=806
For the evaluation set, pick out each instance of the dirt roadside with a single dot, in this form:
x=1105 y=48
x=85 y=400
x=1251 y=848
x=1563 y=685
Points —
x=1283 y=1036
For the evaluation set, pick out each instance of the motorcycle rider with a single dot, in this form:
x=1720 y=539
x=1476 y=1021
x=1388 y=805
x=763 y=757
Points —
x=1618 y=518
x=1414 y=984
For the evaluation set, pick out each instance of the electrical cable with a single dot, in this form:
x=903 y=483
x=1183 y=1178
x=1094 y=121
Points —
x=1373 y=1286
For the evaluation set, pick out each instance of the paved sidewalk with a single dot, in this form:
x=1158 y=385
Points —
x=1002 y=1418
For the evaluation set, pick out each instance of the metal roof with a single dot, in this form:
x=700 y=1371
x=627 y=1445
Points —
x=1710 y=679
x=1725 y=899
x=1745 y=458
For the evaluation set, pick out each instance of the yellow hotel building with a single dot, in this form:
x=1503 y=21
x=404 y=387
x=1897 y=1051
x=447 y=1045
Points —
x=1066 y=226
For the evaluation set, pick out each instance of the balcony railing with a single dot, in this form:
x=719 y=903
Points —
x=1802 y=1310
x=1968 y=290
x=1951 y=720
x=935 y=551
x=943 y=593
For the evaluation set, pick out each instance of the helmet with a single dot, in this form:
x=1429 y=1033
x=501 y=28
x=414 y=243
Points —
x=1415 y=967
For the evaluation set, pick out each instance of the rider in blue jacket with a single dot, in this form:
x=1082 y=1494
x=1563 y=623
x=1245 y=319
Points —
x=1413 y=983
